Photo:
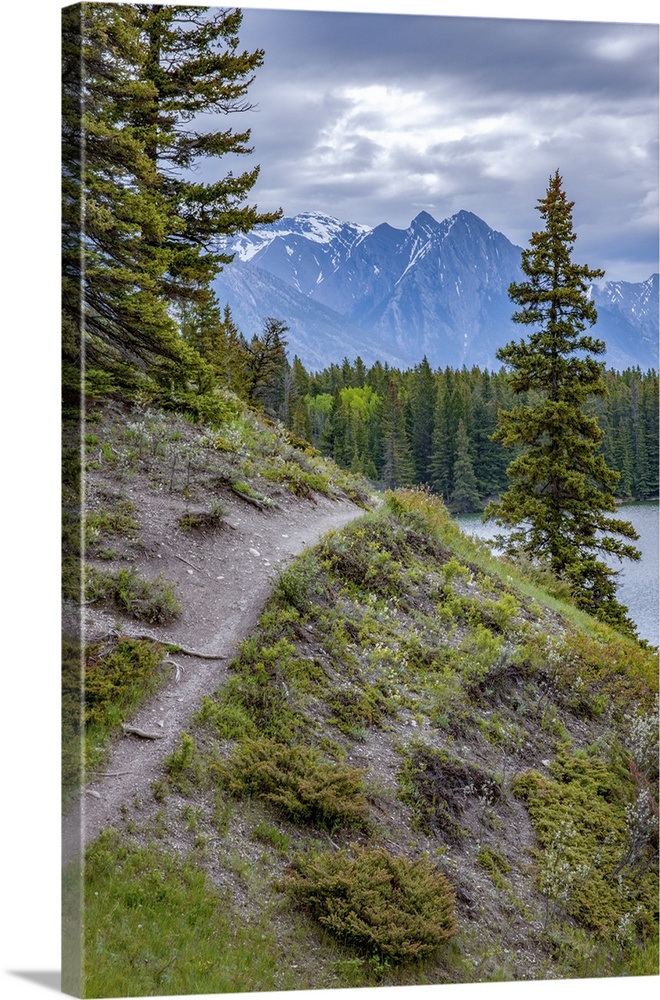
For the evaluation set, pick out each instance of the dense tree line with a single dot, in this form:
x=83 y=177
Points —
x=421 y=426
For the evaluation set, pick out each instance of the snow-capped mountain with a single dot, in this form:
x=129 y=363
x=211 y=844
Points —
x=628 y=322
x=438 y=289
x=300 y=251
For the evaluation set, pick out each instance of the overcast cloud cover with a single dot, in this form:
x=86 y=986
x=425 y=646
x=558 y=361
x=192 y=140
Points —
x=375 y=117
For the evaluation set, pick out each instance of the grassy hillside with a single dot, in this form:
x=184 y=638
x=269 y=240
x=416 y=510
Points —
x=424 y=767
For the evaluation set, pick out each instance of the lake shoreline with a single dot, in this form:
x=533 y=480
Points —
x=638 y=584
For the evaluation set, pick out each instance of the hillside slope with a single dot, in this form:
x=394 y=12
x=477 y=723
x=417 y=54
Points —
x=419 y=767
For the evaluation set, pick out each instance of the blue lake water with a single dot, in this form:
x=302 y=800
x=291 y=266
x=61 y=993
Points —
x=637 y=582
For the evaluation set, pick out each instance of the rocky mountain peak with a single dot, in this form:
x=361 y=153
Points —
x=438 y=289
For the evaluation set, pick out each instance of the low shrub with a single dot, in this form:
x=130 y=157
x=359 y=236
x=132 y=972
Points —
x=354 y=708
x=598 y=849
x=118 y=520
x=258 y=683
x=116 y=681
x=301 y=482
x=300 y=583
x=204 y=520
x=294 y=779
x=148 y=600
x=368 y=554
x=394 y=909
x=229 y=720
x=185 y=766
x=440 y=788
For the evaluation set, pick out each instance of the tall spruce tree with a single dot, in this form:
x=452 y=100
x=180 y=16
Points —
x=422 y=409
x=561 y=490
x=398 y=468
x=110 y=273
x=192 y=61
x=139 y=231
x=465 y=494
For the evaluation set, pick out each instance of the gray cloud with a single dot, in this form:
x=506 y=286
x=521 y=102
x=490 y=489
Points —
x=373 y=117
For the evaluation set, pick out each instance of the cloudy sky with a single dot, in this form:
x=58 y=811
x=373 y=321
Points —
x=375 y=117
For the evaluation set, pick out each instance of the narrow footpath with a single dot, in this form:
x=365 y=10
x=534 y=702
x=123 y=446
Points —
x=223 y=582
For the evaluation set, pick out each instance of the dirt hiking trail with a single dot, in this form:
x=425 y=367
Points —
x=223 y=581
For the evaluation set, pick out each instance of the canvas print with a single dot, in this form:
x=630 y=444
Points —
x=360 y=500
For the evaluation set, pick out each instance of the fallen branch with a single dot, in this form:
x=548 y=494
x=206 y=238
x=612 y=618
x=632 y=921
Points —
x=265 y=504
x=193 y=652
x=173 y=663
x=110 y=774
x=169 y=642
x=134 y=731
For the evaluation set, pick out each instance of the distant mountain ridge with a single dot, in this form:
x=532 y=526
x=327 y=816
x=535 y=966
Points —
x=435 y=289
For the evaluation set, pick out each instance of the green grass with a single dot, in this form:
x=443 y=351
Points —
x=117 y=520
x=116 y=678
x=175 y=932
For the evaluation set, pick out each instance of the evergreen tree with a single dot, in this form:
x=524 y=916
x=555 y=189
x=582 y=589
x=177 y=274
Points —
x=138 y=233
x=561 y=488
x=648 y=430
x=110 y=274
x=191 y=59
x=201 y=325
x=465 y=495
x=301 y=424
x=360 y=372
x=398 y=466
x=441 y=441
x=266 y=368
x=237 y=351
x=320 y=409
x=422 y=409
x=490 y=457
x=300 y=379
